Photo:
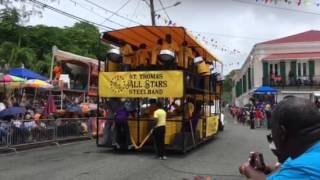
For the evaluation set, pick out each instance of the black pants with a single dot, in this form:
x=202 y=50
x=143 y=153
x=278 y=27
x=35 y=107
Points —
x=268 y=114
x=123 y=133
x=251 y=123
x=158 y=134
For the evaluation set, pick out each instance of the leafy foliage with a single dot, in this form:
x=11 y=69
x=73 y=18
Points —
x=32 y=45
x=227 y=87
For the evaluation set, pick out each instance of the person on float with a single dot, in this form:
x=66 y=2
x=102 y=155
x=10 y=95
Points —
x=170 y=45
x=143 y=57
x=155 y=52
x=185 y=56
x=127 y=55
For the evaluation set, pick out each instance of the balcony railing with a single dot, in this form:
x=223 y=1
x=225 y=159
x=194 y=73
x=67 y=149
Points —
x=280 y=81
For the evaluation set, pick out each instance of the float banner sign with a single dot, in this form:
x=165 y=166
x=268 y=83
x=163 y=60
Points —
x=141 y=84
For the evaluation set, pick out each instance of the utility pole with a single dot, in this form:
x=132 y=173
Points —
x=153 y=18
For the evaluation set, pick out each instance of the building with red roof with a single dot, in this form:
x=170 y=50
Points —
x=290 y=64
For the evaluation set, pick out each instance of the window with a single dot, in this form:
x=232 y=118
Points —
x=302 y=69
x=299 y=69
x=274 y=69
x=271 y=68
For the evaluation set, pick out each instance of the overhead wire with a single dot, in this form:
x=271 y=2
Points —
x=230 y=35
x=164 y=10
x=274 y=7
x=112 y=12
x=44 y=5
x=135 y=10
x=118 y=10
x=93 y=12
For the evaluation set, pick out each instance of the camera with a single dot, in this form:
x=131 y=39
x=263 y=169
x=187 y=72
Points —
x=256 y=161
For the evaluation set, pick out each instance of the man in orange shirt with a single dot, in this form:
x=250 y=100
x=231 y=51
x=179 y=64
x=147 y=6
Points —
x=57 y=70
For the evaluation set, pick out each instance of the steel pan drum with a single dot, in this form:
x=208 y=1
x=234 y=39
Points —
x=166 y=56
x=114 y=56
x=198 y=60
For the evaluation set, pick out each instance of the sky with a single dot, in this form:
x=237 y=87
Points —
x=235 y=25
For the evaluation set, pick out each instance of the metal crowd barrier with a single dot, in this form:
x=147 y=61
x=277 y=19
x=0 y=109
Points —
x=70 y=128
x=4 y=134
x=18 y=133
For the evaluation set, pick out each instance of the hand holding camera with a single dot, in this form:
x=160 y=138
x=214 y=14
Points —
x=256 y=161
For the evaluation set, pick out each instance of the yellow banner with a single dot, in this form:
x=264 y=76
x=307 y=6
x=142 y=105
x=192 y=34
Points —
x=212 y=125
x=141 y=84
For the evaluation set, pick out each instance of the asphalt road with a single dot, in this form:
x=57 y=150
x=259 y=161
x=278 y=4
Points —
x=218 y=159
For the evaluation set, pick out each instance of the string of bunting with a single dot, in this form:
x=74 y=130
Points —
x=165 y=20
x=292 y=2
x=209 y=41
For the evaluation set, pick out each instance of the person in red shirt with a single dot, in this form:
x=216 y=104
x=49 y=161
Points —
x=57 y=70
x=258 y=117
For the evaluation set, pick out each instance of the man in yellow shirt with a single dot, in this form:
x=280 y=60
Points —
x=143 y=56
x=127 y=53
x=156 y=51
x=128 y=56
x=160 y=115
x=185 y=56
x=169 y=44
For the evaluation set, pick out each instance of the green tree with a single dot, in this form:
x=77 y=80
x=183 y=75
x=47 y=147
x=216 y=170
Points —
x=24 y=11
x=227 y=87
x=7 y=51
x=32 y=45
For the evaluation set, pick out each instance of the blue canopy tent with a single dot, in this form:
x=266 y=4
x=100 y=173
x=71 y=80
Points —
x=26 y=73
x=265 y=90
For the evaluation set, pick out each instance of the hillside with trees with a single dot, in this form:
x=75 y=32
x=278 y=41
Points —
x=32 y=45
x=227 y=87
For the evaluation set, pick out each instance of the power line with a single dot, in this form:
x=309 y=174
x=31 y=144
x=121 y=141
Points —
x=280 y=8
x=135 y=10
x=70 y=15
x=93 y=12
x=230 y=35
x=165 y=11
x=146 y=2
x=118 y=10
x=116 y=14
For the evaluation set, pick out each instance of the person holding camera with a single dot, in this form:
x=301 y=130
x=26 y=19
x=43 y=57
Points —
x=296 y=137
